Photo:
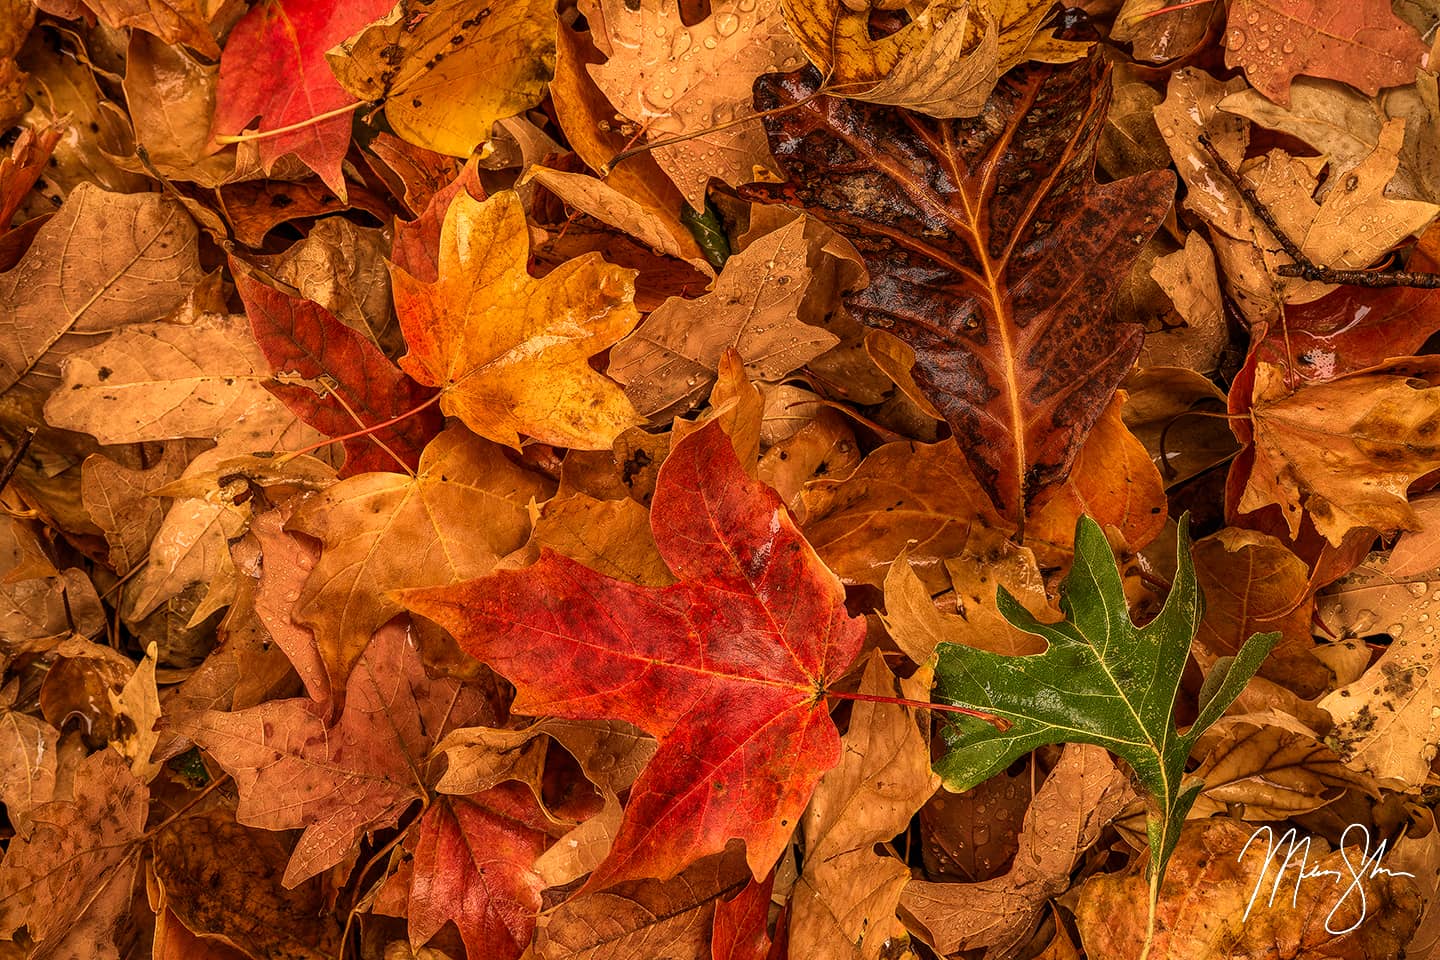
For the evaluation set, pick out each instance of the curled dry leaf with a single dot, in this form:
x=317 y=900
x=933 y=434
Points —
x=1084 y=792
x=1263 y=772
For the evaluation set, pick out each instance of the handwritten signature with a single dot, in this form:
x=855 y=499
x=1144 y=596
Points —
x=1367 y=867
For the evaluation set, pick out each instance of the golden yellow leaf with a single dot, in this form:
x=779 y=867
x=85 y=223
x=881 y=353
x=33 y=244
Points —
x=448 y=71
x=511 y=352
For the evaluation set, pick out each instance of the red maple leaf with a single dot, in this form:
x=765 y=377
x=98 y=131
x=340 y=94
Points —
x=472 y=866
x=302 y=338
x=728 y=668
x=274 y=67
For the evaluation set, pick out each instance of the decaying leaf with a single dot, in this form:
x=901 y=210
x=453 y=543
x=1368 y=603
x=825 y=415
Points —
x=979 y=248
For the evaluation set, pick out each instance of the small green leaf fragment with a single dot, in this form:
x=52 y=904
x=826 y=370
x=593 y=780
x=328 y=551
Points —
x=709 y=233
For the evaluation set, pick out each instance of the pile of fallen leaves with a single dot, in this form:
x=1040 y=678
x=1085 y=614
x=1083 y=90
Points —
x=667 y=478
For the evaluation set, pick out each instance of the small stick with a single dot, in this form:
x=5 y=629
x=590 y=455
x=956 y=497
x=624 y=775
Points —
x=13 y=464
x=1305 y=268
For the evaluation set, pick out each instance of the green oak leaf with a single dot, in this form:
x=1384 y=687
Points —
x=1101 y=680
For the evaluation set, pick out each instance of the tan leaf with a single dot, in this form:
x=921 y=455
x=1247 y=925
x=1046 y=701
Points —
x=139 y=703
x=605 y=203
x=944 y=62
x=1269 y=772
x=989 y=560
x=1253 y=584
x=389 y=531
x=173 y=21
x=1388 y=721
x=27 y=765
x=762 y=305
x=902 y=492
x=1345 y=126
x=673 y=79
x=594 y=133
x=1168 y=412
x=69 y=883
x=1345 y=451
x=1081 y=796
x=1205 y=902
x=1418 y=551
x=161 y=381
x=170 y=96
x=844 y=902
x=1354 y=225
x=1188 y=277
x=611 y=536
x=118 y=500
x=669 y=918
x=105 y=260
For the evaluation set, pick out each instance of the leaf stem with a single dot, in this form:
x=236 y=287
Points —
x=227 y=138
x=1000 y=723
x=13 y=462
x=368 y=430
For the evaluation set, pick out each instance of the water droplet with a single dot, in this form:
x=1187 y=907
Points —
x=1253 y=16
x=1236 y=40
x=668 y=93
x=660 y=31
x=1288 y=46
x=1417 y=590
x=711 y=43
x=726 y=24
x=1395 y=629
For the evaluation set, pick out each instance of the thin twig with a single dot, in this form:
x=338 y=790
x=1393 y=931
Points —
x=1303 y=267
x=13 y=464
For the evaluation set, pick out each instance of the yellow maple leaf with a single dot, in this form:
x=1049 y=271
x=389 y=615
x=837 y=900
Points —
x=508 y=351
